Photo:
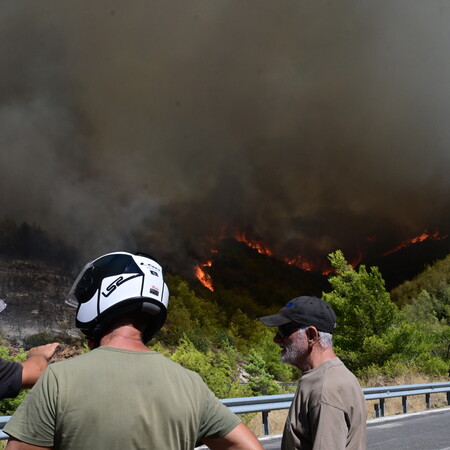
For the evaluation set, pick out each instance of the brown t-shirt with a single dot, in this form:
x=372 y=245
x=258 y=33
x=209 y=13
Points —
x=328 y=411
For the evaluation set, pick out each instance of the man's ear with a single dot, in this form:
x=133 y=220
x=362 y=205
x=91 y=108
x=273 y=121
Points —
x=312 y=334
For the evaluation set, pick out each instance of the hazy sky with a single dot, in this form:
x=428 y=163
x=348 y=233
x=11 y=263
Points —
x=312 y=125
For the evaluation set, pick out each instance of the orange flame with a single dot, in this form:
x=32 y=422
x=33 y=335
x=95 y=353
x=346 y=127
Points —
x=309 y=266
x=203 y=277
x=260 y=247
x=436 y=236
x=255 y=244
x=319 y=266
x=300 y=263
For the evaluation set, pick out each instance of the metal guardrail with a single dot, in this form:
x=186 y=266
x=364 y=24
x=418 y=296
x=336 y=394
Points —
x=267 y=403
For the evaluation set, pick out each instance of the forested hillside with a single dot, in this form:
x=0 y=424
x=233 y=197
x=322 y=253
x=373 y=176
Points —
x=217 y=334
x=375 y=337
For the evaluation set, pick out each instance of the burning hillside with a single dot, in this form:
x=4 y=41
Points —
x=147 y=127
x=202 y=276
x=417 y=249
x=425 y=236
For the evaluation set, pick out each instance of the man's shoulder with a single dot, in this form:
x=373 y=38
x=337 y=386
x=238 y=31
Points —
x=109 y=355
x=336 y=368
x=331 y=367
x=329 y=380
x=70 y=363
x=339 y=382
x=334 y=373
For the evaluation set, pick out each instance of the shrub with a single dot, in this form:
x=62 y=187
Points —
x=261 y=381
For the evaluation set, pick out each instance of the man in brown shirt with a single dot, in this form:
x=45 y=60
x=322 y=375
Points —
x=329 y=410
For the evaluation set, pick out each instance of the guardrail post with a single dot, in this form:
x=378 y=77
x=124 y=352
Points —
x=448 y=398
x=427 y=400
x=404 y=404
x=377 y=410
x=266 y=424
x=382 y=406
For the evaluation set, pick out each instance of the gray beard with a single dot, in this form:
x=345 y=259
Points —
x=291 y=355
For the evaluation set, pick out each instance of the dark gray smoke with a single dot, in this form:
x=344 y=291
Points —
x=312 y=125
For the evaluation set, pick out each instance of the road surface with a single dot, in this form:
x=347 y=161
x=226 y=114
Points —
x=427 y=430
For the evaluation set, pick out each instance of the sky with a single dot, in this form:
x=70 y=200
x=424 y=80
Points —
x=162 y=126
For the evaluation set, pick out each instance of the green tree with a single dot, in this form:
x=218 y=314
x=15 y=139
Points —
x=421 y=315
x=362 y=305
x=435 y=281
x=192 y=316
x=261 y=381
x=218 y=369
x=242 y=328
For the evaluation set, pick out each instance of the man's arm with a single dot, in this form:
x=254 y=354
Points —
x=36 y=362
x=328 y=427
x=239 y=438
x=14 y=444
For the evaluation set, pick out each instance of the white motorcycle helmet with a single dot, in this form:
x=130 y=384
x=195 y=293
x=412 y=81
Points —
x=115 y=284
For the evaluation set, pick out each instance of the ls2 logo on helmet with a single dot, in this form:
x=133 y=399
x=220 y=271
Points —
x=116 y=283
x=154 y=290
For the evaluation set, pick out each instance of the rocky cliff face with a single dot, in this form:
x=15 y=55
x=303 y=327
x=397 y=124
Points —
x=34 y=293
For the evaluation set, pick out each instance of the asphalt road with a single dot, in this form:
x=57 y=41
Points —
x=428 y=430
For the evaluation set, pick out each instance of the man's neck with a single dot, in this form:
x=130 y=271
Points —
x=317 y=357
x=320 y=356
x=125 y=337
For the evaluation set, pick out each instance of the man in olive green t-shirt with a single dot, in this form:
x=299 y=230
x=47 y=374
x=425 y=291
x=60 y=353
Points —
x=122 y=395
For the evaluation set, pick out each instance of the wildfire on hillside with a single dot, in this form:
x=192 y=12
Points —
x=202 y=276
x=309 y=266
x=297 y=261
x=255 y=244
x=318 y=266
x=260 y=247
x=436 y=236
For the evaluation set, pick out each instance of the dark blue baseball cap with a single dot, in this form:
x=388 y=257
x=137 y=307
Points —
x=304 y=311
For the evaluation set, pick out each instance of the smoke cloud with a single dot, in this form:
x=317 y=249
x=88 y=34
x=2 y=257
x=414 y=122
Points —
x=162 y=125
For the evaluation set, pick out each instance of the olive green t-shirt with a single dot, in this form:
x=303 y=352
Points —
x=112 y=399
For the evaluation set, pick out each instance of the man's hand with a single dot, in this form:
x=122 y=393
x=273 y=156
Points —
x=36 y=362
x=46 y=351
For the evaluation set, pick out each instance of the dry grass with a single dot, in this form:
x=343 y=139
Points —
x=393 y=406
x=276 y=422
